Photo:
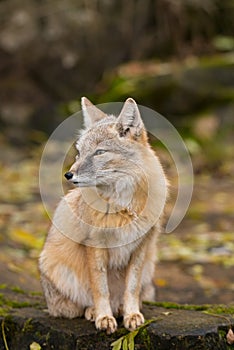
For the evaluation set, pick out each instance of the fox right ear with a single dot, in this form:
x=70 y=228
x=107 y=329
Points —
x=90 y=112
x=129 y=121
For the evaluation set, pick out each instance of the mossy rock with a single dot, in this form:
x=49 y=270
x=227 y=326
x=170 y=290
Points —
x=173 y=89
x=25 y=321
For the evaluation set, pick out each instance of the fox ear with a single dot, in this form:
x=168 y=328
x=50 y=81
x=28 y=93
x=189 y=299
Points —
x=129 y=121
x=90 y=112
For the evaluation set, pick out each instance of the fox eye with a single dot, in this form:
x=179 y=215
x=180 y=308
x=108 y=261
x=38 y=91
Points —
x=99 y=152
x=78 y=155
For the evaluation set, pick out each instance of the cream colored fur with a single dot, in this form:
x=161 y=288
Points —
x=99 y=257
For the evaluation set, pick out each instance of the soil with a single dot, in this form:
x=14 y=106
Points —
x=195 y=261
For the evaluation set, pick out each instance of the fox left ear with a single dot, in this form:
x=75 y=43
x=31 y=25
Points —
x=129 y=121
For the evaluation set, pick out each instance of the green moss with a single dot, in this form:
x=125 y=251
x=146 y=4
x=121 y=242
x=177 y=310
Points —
x=27 y=325
x=3 y=286
x=15 y=304
x=145 y=338
x=17 y=290
x=216 y=61
x=223 y=335
x=3 y=312
x=4 y=308
x=36 y=294
x=47 y=337
x=37 y=334
x=169 y=305
x=121 y=331
x=2 y=303
x=221 y=309
x=212 y=309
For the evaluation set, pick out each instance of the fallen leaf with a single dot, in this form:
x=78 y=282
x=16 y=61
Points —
x=35 y=346
x=125 y=344
x=117 y=344
x=160 y=282
x=230 y=337
x=26 y=238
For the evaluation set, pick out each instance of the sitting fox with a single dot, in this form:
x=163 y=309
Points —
x=99 y=258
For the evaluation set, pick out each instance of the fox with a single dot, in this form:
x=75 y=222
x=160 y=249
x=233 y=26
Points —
x=100 y=254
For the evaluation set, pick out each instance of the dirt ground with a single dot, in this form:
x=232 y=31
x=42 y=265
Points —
x=196 y=261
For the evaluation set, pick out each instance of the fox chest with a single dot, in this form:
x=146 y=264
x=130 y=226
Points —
x=120 y=257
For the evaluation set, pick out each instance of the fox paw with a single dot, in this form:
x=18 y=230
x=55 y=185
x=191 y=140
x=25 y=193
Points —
x=90 y=313
x=132 y=321
x=106 y=323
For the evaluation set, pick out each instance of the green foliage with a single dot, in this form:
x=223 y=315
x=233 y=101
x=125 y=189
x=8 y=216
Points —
x=126 y=342
x=6 y=304
x=17 y=289
x=223 y=335
x=3 y=286
x=3 y=312
x=224 y=43
x=27 y=325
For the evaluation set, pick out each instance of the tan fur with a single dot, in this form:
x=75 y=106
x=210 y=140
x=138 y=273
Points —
x=99 y=257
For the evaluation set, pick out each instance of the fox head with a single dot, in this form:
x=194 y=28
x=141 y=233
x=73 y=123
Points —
x=111 y=152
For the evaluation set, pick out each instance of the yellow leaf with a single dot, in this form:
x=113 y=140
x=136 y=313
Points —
x=26 y=238
x=160 y=282
x=35 y=346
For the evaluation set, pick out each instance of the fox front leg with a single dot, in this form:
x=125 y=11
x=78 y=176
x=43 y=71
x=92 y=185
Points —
x=133 y=318
x=97 y=261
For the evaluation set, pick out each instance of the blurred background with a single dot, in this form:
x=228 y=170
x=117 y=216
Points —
x=174 y=56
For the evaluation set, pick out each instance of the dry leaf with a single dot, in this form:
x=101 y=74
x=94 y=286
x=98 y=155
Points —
x=230 y=337
x=35 y=346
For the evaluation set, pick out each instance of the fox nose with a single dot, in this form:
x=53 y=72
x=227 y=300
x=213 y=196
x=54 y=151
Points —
x=68 y=175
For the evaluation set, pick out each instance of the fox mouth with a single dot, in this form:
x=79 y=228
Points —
x=79 y=183
x=83 y=184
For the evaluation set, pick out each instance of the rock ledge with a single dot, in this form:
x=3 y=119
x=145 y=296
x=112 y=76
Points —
x=24 y=321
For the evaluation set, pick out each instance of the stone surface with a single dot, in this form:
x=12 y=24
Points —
x=24 y=321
